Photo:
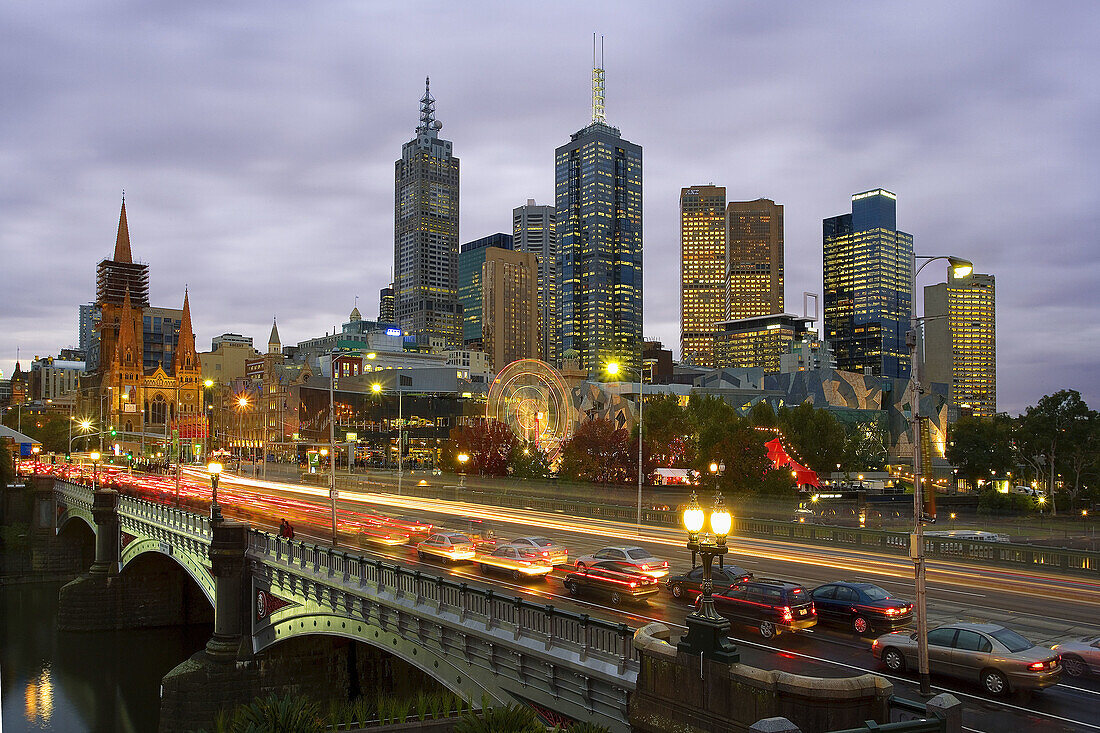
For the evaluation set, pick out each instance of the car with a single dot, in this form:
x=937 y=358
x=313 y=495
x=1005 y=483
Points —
x=1080 y=658
x=771 y=605
x=609 y=579
x=685 y=584
x=994 y=656
x=478 y=530
x=628 y=557
x=862 y=607
x=447 y=546
x=542 y=548
x=514 y=562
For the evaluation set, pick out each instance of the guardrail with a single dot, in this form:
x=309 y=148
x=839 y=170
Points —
x=1069 y=561
x=588 y=637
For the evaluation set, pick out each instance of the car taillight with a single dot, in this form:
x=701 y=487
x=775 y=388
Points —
x=633 y=584
x=1037 y=666
x=813 y=609
x=787 y=613
x=892 y=611
x=645 y=567
x=874 y=644
x=545 y=553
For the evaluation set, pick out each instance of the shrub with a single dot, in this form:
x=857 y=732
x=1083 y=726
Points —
x=995 y=503
x=290 y=714
x=508 y=719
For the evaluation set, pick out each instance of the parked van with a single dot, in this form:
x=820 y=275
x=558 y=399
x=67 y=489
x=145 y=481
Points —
x=1025 y=490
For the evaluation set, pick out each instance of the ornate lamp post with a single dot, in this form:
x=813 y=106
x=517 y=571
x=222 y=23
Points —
x=35 y=450
x=95 y=465
x=214 y=468
x=707 y=631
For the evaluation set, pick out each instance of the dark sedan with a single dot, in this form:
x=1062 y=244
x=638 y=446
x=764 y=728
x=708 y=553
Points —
x=611 y=580
x=862 y=607
x=691 y=583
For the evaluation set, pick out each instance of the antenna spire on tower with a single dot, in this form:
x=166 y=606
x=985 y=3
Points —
x=427 y=109
x=597 y=82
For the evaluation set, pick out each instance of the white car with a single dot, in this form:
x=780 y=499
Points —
x=447 y=546
x=541 y=548
x=627 y=557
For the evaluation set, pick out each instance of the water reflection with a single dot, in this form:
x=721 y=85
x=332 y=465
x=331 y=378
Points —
x=54 y=681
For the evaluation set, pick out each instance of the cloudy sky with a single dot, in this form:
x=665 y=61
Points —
x=256 y=140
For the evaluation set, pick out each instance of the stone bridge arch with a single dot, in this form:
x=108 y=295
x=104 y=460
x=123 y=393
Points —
x=194 y=565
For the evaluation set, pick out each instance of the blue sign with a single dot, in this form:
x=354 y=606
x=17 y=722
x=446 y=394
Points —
x=393 y=331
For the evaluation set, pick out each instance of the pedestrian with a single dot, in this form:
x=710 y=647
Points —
x=283 y=525
x=289 y=530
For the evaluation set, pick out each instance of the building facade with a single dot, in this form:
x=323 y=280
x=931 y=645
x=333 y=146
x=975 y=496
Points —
x=868 y=269
x=702 y=270
x=758 y=342
x=53 y=379
x=510 y=313
x=426 y=213
x=754 y=259
x=386 y=310
x=961 y=340
x=471 y=259
x=534 y=229
x=598 y=185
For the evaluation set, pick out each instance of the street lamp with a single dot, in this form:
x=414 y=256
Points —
x=707 y=631
x=377 y=389
x=85 y=427
x=613 y=368
x=36 y=449
x=242 y=405
x=462 y=458
x=214 y=468
x=959 y=268
x=207 y=413
x=95 y=462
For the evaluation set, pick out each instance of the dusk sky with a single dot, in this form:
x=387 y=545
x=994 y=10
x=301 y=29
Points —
x=256 y=141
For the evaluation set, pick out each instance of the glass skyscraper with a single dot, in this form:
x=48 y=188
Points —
x=754 y=259
x=702 y=270
x=868 y=286
x=426 y=233
x=534 y=230
x=598 y=186
x=471 y=258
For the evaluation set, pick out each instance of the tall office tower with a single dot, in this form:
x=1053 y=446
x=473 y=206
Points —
x=117 y=279
x=470 y=261
x=426 y=233
x=534 y=230
x=868 y=268
x=386 y=311
x=510 y=313
x=89 y=336
x=598 y=185
x=961 y=340
x=754 y=259
x=702 y=270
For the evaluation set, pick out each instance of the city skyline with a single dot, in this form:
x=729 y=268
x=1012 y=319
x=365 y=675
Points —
x=266 y=186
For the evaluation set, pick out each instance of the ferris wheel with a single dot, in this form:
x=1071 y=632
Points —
x=531 y=398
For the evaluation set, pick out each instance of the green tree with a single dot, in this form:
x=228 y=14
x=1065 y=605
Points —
x=528 y=462
x=669 y=435
x=1047 y=433
x=49 y=429
x=762 y=415
x=864 y=446
x=980 y=447
x=816 y=437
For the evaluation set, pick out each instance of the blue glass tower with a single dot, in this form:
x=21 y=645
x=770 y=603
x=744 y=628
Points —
x=868 y=286
x=598 y=187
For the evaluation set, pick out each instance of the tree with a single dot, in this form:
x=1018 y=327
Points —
x=49 y=429
x=815 y=436
x=669 y=435
x=762 y=415
x=527 y=461
x=1051 y=429
x=598 y=452
x=865 y=446
x=1082 y=457
x=980 y=447
x=488 y=443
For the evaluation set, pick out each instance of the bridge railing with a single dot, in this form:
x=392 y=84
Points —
x=179 y=520
x=553 y=627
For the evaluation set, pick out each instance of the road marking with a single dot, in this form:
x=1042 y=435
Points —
x=962 y=592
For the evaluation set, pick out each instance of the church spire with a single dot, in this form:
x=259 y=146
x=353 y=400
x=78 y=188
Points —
x=126 y=350
x=122 y=241
x=274 y=346
x=187 y=359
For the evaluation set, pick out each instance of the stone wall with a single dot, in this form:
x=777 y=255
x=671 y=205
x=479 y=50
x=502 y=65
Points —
x=681 y=693
x=153 y=591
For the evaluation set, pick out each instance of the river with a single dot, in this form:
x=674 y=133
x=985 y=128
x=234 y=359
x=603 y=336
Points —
x=73 y=682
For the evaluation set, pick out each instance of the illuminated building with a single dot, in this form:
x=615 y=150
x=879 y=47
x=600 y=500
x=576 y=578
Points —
x=753 y=259
x=509 y=307
x=759 y=342
x=702 y=270
x=386 y=312
x=868 y=286
x=426 y=233
x=598 y=189
x=961 y=340
x=534 y=230
x=116 y=279
x=471 y=258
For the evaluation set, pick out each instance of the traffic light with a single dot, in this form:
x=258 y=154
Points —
x=113 y=432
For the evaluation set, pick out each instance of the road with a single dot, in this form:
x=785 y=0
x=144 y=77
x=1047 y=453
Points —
x=1045 y=608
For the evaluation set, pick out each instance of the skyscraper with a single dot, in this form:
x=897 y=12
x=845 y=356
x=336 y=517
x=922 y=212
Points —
x=426 y=233
x=702 y=270
x=470 y=261
x=598 y=186
x=534 y=230
x=509 y=309
x=754 y=259
x=868 y=286
x=961 y=340
x=386 y=311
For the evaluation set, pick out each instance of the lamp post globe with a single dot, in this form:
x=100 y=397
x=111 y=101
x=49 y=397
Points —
x=214 y=469
x=707 y=631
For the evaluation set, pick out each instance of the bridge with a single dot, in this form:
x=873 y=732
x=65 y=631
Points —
x=477 y=643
